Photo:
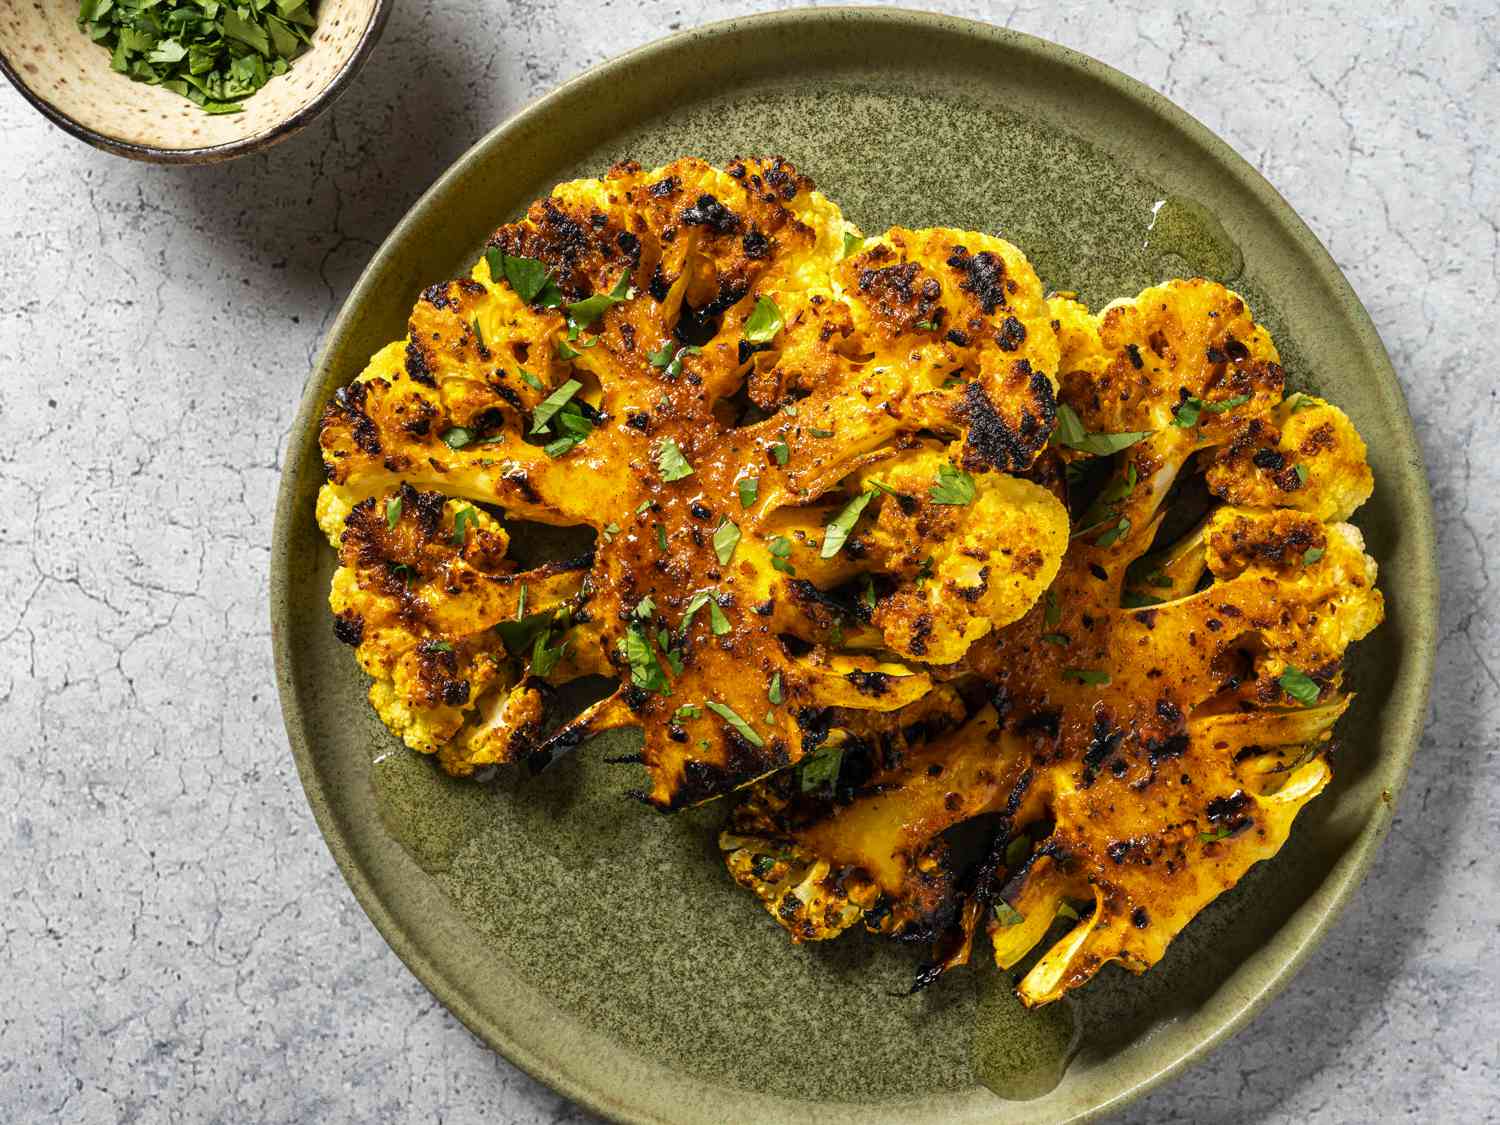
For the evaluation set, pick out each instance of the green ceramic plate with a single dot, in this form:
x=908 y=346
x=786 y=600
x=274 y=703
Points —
x=601 y=946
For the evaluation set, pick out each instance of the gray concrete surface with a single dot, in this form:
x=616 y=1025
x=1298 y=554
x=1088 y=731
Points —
x=177 y=944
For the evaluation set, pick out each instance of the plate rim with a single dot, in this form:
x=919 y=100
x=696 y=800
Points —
x=1402 y=735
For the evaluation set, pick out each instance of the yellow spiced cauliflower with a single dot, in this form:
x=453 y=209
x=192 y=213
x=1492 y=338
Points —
x=874 y=537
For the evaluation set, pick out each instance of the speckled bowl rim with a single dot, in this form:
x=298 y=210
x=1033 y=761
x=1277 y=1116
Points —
x=212 y=154
x=1400 y=737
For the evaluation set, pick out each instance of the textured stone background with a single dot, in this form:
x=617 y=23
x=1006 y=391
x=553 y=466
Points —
x=177 y=944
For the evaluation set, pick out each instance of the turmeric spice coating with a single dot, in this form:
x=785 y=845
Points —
x=833 y=572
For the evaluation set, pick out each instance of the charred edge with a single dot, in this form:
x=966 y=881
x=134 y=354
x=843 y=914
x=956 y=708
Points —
x=869 y=683
x=983 y=276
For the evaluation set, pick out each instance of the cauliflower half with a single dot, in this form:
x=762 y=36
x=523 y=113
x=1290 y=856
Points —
x=1148 y=731
x=798 y=453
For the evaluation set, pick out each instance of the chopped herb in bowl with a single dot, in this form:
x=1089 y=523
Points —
x=212 y=53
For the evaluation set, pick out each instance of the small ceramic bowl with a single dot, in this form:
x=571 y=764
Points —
x=64 y=74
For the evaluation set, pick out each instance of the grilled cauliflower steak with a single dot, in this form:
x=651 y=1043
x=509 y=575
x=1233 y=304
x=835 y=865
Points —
x=800 y=453
x=1148 y=730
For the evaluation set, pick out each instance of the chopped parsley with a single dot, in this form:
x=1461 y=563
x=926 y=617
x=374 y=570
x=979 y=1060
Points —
x=1301 y=471
x=726 y=539
x=456 y=437
x=821 y=433
x=529 y=277
x=1069 y=431
x=529 y=379
x=781 y=451
x=781 y=550
x=661 y=537
x=837 y=531
x=1302 y=401
x=1185 y=414
x=1114 y=534
x=763 y=323
x=773 y=693
x=669 y=358
x=671 y=462
x=393 y=512
x=1086 y=675
x=820 y=768
x=746 y=731
x=609 y=531
x=1220 y=833
x=463 y=519
x=582 y=314
x=1311 y=555
x=852 y=243
x=688 y=711
x=867 y=591
x=749 y=490
x=544 y=660
x=213 y=54
x=439 y=646
x=1007 y=915
x=1299 y=685
x=953 y=486
x=541 y=419
x=717 y=622
x=646 y=669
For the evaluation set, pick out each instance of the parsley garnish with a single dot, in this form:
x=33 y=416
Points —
x=837 y=531
x=521 y=604
x=716 y=619
x=661 y=537
x=1302 y=401
x=1311 y=555
x=1007 y=915
x=867 y=591
x=1301 y=471
x=774 y=692
x=456 y=437
x=646 y=669
x=541 y=418
x=749 y=489
x=463 y=519
x=688 y=711
x=669 y=358
x=393 y=512
x=530 y=380
x=747 y=732
x=764 y=322
x=852 y=243
x=1086 y=675
x=954 y=486
x=1299 y=685
x=1069 y=431
x=479 y=334
x=781 y=550
x=1216 y=835
x=695 y=603
x=213 y=54
x=544 y=660
x=529 y=277
x=1113 y=535
x=581 y=314
x=1185 y=414
x=609 y=531
x=726 y=538
x=671 y=462
x=820 y=768
x=821 y=433
x=781 y=452
x=438 y=646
